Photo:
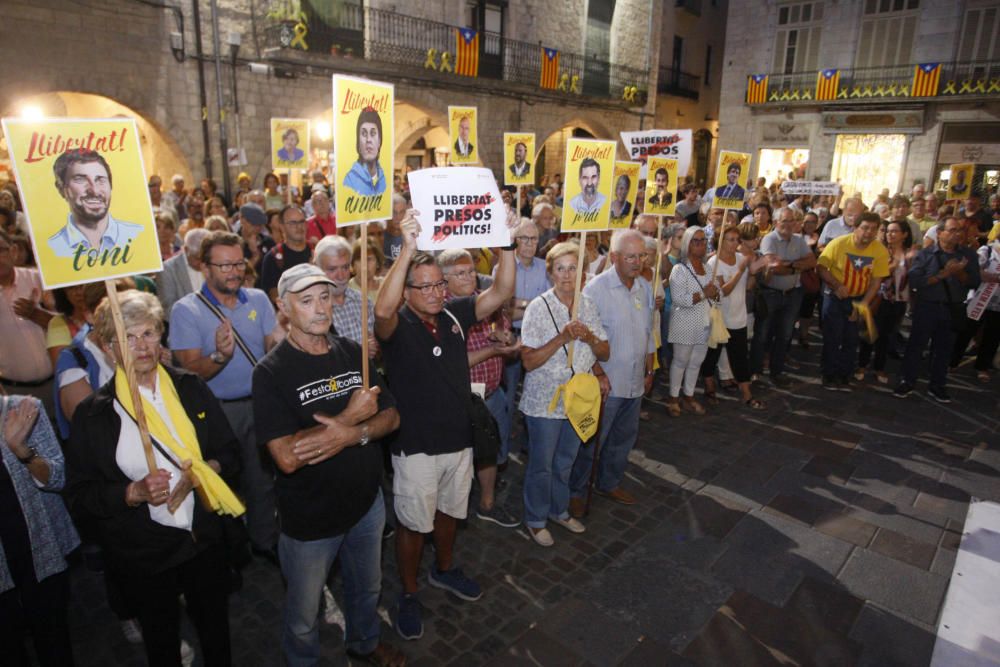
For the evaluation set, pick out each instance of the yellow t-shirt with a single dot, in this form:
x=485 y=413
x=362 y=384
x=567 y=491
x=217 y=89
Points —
x=994 y=233
x=58 y=333
x=854 y=266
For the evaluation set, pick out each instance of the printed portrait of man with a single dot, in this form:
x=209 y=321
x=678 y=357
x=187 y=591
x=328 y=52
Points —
x=462 y=145
x=520 y=168
x=660 y=195
x=589 y=200
x=366 y=176
x=290 y=151
x=732 y=189
x=83 y=179
x=960 y=185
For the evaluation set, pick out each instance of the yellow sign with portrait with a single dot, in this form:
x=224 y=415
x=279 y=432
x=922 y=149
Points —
x=463 y=135
x=626 y=188
x=289 y=144
x=960 y=181
x=83 y=187
x=661 y=186
x=363 y=148
x=590 y=167
x=732 y=178
x=518 y=158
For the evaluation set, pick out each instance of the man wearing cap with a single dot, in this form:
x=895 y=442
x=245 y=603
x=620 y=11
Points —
x=291 y=252
x=220 y=332
x=323 y=221
x=321 y=427
x=256 y=242
x=625 y=302
x=424 y=348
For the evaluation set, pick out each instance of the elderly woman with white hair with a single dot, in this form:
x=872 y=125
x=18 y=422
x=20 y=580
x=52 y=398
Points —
x=158 y=541
x=691 y=289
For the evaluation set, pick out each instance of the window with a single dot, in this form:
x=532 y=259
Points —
x=678 y=52
x=796 y=45
x=979 y=35
x=708 y=65
x=887 y=30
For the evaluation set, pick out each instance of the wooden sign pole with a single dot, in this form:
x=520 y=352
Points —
x=363 y=279
x=581 y=257
x=288 y=189
x=133 y=386
x=519 y=201
x=659 y=257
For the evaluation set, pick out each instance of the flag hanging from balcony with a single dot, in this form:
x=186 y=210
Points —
x=466 y=52
x=926 y=77
x=550 y=69
x=827 y=82
x=757 y=89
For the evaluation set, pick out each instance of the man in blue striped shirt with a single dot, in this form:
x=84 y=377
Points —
x=626 y=305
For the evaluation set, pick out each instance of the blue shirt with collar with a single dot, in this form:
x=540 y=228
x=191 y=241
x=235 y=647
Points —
x=193 y=325
x=65 y=242
x=627 y=316
x=530 y=282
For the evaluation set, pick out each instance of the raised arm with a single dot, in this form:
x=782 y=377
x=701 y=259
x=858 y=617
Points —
x=391 y=293
x=502 y=288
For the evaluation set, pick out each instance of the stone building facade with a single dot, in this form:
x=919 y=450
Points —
x=874 y=134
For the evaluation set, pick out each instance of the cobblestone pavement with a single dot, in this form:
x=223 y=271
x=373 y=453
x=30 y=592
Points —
x=820 y=531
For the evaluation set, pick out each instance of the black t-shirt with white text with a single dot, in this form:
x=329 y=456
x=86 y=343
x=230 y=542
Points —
x=289 y=387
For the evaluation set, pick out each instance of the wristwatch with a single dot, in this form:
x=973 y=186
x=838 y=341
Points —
x=217 y=357
x=364 y=435
x=32 y=455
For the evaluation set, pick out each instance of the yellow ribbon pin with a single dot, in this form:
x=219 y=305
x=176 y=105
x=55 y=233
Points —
x=252 y=316
x=201 y=415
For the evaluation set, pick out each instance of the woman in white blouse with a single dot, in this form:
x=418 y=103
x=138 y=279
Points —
x=691 y=288
x=547 y=332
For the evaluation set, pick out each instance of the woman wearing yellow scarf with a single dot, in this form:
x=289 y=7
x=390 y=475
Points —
x=159 y=539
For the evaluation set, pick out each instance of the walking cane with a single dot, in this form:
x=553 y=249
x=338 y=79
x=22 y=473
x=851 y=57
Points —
x=593 y=463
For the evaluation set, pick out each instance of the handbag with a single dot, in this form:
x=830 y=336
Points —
x=810 y=281
x=718 y=333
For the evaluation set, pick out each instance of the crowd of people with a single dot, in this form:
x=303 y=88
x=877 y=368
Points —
x=270 y=436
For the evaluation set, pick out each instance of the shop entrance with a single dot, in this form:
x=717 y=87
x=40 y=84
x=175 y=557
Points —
x=775 y=163
x=868 y=163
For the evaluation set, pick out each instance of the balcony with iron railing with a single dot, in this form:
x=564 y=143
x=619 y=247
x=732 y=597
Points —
x=678 y=83
x=392 y=43
x=870 y=85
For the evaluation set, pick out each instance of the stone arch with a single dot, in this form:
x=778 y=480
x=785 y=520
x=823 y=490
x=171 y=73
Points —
x=551 y=151
x=161 y=152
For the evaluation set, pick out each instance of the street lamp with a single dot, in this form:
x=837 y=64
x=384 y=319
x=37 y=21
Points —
x=233 y=40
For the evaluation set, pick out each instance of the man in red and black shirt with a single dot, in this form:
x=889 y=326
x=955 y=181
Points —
x=323 y=222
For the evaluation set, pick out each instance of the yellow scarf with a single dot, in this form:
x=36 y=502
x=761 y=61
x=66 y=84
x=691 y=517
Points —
x=212 y=489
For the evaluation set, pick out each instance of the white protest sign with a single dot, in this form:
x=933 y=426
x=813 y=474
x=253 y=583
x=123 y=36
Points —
x=810 y=188
x=674 y=144
x=459 y=208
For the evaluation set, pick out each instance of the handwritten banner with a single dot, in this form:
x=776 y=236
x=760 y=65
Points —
x=289 y=144
x=363 y=125
x=518 y=154
x=626 y=188
x=659 y=143
x=458 y=208
x=83 y=186
x=590 y=168
x=810 y=188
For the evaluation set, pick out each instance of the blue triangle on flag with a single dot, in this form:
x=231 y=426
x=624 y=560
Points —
x=757 y=78
x=550 y=53
x=828 y=73
x=468 y=35
x=928 y=67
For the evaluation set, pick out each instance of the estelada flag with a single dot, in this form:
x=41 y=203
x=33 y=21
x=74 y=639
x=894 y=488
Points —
x=857 y=273
x=827 y=81
x=926 y=77
x=757 y=89
x=550 y=68
x=466 y=52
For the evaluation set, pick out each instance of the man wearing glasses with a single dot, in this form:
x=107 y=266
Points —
x=294 y=250
x=424 y=348
x=220 y=332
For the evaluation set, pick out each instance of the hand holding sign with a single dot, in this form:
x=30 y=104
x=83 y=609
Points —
x=409 y=229
x=459 y=208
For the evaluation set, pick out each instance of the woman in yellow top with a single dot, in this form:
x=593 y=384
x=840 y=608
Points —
x=159 y=541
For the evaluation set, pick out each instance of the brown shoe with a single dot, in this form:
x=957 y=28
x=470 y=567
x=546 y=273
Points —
x=618 y=495
x=577 y=507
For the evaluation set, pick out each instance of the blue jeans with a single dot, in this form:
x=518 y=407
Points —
x=931 y=321
x=773 y=333
x=306 y=565
x=554 y=445
x=840 y=337
x=500 y=408
x=619 y=430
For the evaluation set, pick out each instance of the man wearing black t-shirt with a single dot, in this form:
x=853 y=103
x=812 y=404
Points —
x=291 y=252
x=317 y=419
x=424 y=349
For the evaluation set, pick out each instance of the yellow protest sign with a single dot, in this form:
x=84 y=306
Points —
x=289 y=144
x=463 y=135
x=68 y=170
x=626 y=187
x=732 y=178
x=661 y=186
x=518 y=155
x=590 y=166
x=960 y=180
x=363 y=145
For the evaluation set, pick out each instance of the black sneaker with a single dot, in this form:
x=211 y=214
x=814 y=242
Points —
x=902 y=390
x=829 y=383
x=939 y=394
x=498 y=515
x=843 y=384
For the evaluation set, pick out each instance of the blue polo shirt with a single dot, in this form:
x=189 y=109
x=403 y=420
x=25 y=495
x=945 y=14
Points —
x=192 y=327
x=530 y=282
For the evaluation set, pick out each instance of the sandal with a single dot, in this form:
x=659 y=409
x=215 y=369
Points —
x=693 y=405
x=983 y=376
x=384 y=655
x=756 y=404
x=711 y=398
x=673 y=408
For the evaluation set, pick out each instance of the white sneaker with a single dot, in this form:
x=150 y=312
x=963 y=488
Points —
x=570 y=524
x=187 y=654
x=542 y=537
x=132 y=631
x=331 y=612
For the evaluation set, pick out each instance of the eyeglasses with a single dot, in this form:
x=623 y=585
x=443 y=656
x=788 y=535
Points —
x=526 y=239
x=148 y=337
x=229 y=266
x=468 y=273
x=427 y=288
x=633 y=258
x=699 y=241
